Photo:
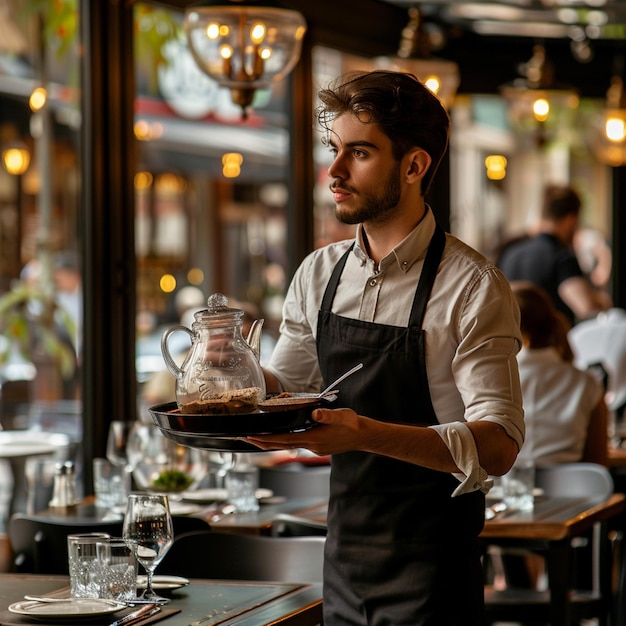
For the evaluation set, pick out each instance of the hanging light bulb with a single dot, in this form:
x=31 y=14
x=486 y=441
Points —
x=607 y=136
x=536 y=97
x=244 y=46
x=414 y=56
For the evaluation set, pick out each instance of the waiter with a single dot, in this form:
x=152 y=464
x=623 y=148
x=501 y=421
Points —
x=437 y=406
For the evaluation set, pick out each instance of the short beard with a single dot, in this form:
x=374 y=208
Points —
x=375 y=207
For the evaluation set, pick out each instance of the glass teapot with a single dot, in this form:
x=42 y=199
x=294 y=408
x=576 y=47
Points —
x=220 y=360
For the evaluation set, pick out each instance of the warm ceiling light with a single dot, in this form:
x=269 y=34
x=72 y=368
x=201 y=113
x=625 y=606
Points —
x=439 y=75
x=38 y=99
x=244 y=46
x=607 y=136
x=16 y=158
x=535 y=95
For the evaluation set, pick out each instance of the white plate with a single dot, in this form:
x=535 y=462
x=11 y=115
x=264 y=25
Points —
x=181 y=508
x=218 y=495
x=163 y=582
x=71 y=609
x=17 y=443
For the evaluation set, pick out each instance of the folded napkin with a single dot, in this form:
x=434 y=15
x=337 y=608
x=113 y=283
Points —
x=13 y=619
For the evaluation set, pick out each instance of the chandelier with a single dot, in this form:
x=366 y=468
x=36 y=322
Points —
x=244 y=46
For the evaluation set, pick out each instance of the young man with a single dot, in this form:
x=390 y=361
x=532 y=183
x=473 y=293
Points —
x=548 y=259
x=437 y=405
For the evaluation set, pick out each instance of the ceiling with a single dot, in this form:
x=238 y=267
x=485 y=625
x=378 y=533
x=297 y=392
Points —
x=585 y=39
x=550 y=19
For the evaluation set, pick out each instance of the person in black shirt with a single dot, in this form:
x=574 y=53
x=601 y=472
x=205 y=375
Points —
x=548 y=260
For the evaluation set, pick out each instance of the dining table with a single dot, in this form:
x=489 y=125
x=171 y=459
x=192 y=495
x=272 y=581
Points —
x=199 y=603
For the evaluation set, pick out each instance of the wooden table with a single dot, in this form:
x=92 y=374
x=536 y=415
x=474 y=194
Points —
x=551 y=526
x=226 y=602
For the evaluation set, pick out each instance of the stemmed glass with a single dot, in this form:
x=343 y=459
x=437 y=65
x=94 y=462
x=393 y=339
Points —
x=148 y=530
x=117 y=442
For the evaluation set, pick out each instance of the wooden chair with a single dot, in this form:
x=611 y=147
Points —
x=531 y=605
x=209 y=554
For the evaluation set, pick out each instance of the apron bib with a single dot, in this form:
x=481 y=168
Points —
x=399 y=550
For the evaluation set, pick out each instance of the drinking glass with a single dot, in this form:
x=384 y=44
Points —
x=148 y=529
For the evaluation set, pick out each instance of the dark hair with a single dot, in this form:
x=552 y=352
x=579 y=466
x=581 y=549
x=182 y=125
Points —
x=542 y=325
x=404 y=108
x=559 y=201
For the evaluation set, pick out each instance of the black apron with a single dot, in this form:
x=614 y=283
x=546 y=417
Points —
x=400 y=550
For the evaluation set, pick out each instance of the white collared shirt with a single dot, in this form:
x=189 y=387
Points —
x=471 y=324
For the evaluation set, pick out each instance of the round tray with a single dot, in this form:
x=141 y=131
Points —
x=219 y=432
x=207 y=442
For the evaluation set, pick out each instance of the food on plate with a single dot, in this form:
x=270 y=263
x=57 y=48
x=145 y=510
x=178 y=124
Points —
x=172 y=480
x=286 y=401
x=225 y=403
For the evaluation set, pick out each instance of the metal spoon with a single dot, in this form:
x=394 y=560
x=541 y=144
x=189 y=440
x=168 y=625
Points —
x=330 y=389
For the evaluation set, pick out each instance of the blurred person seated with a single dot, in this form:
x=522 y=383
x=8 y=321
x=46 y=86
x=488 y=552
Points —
x=548 y=260
x=564 y=407
x=564 y=412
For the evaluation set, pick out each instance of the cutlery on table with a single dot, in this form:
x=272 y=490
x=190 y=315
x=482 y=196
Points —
x=146 y=610
x=52 y=599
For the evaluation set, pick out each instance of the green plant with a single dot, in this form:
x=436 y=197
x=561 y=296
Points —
x=33 y=323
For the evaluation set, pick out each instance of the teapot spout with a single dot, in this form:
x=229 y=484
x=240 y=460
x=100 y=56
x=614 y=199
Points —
x=254 y=337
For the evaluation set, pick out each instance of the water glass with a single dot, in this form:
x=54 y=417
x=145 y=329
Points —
x=518 y=486
x=117 y=570
x=111 y=483
x=83 y=564
x=242 y=482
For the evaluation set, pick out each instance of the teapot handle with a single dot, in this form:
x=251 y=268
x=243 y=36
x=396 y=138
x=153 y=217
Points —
x=176 y=371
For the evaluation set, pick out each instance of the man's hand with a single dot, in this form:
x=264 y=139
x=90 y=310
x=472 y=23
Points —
x=337 y=432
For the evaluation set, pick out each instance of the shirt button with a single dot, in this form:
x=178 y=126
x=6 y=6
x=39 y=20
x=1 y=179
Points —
x=476 y=485
x=373 y=282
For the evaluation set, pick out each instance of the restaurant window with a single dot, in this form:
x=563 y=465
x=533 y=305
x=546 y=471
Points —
x=40 y=178
x=210 y=191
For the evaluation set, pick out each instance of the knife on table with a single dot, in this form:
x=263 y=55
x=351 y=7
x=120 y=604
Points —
x=144 y=612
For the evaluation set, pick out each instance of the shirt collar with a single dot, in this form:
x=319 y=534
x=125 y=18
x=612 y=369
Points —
x=411 y=249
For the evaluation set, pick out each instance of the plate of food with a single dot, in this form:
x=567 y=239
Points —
x=66 y=609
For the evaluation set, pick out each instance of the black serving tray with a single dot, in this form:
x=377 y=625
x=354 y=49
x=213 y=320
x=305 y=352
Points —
x=220 y=432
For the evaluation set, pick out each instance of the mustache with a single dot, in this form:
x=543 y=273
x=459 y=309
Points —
x=338 y=185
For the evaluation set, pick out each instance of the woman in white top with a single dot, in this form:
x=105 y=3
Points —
x=565 y=412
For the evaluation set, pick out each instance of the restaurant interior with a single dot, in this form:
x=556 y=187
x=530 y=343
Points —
x=137 y=179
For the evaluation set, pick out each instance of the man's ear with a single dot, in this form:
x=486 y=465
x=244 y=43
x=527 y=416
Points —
x=419 y=162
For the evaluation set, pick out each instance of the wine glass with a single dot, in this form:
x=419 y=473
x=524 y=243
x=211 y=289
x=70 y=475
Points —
x=149 y=531
x=117 y=441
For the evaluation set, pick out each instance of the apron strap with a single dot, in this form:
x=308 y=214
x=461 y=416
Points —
x=427 y=277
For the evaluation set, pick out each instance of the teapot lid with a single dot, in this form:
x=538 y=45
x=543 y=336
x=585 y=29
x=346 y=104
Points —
x=218 y=311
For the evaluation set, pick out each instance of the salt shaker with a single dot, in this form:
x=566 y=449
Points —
x=64 y=489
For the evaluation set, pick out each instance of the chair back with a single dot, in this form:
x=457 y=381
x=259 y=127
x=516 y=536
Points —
x=295 y=481
x=39 y=545
x=575 y=479
x=285 y=525
x=209 y=554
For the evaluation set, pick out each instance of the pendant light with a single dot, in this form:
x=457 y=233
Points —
x=414 y=55
x=244 y=45
x=607 y=136
x=535 y=96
